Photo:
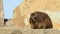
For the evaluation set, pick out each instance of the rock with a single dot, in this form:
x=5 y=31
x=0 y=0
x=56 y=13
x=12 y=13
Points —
x=50 y=7
x=1 y=13
x=30 y=31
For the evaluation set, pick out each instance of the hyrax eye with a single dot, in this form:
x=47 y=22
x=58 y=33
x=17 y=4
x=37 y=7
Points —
x=35 y=18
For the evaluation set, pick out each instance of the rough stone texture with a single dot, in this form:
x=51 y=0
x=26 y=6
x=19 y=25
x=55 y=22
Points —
x=17 y=30
x=1 y=13
x=38 y=31
x=23 y=11
x=53 y=5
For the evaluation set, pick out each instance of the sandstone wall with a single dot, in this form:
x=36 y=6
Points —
x=23 y=11
x=1 y=13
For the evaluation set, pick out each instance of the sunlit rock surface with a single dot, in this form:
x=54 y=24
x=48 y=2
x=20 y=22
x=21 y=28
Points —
x=31 y=31
x=53 y=5
x=1 y=13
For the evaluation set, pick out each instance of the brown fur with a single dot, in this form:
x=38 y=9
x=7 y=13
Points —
x=39 y=20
